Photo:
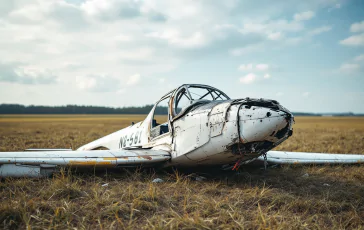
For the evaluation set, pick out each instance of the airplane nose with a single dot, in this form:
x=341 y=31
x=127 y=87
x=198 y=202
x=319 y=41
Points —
x=258 y=124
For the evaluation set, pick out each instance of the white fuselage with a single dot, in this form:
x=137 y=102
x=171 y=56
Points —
x=203 y=127
x=207 y=135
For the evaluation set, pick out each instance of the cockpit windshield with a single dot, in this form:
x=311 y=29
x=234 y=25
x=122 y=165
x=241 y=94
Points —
x=190 y=94
x=200 y=93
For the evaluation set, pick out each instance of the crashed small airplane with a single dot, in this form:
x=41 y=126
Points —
x=204 y=127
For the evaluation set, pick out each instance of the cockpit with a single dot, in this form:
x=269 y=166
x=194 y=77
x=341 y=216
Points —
x=174 y=104
x=188 y=95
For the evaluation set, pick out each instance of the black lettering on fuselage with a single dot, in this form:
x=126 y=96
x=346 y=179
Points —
x=134 y=139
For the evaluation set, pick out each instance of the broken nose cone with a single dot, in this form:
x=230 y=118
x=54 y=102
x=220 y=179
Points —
x=263 y=124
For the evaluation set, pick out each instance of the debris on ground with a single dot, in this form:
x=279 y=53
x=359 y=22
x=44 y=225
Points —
x=157 y=180
x=326 y=185
x=305 y=175
x=105 y=185
x=200 y=178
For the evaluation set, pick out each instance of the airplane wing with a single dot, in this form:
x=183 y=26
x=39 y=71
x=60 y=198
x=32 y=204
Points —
x=281 y=157
x=44 y=162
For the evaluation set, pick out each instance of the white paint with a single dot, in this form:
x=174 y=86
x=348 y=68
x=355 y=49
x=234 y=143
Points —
x=204 y=133
x=280 y=157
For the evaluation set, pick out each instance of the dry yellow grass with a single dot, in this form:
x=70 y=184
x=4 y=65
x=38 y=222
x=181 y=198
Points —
x=327 y=134
x=331 y=197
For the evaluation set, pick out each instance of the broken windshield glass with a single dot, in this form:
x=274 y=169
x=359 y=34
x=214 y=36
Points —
x=191 y=94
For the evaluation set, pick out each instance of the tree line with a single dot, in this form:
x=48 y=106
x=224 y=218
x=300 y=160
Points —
x=82 y=109
x=77 y=109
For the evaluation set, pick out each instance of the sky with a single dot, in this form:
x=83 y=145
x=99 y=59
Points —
x=308 y=55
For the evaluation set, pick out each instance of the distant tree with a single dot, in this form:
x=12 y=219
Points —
x=81 y=109
x=77 y=109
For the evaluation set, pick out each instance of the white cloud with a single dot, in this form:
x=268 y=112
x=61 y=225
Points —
x=250 y=67
x=306 y=94
x=104 y=43
x=279 y=94
x=122 y=38
x=336 y=6
x=275 y=36
x=245 y=67
x=262 y=67
x=86 y=83
x=294 y=40
x=266 y=76
x=359 y=58
x=248 y=79
x=111 y=9
x=353 y=66
x=98 y=84
x=357 y=27
x=303 y=16
x=253 y=27
x=273 y=26
x=174 y=37
x=349 y=68
x=30 y=13
x=355 y=40
x=252 y=77
x=245 y=50
x=133 y=79
x=320 y=30
x=281 y=31
x=25 y=74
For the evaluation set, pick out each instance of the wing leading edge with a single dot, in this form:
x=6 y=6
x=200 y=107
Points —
x=43 y=163
x=280 y=157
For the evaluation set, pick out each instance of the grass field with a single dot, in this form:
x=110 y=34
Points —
x=330 y=197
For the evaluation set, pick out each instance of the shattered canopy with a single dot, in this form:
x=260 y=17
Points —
x=187 y=95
